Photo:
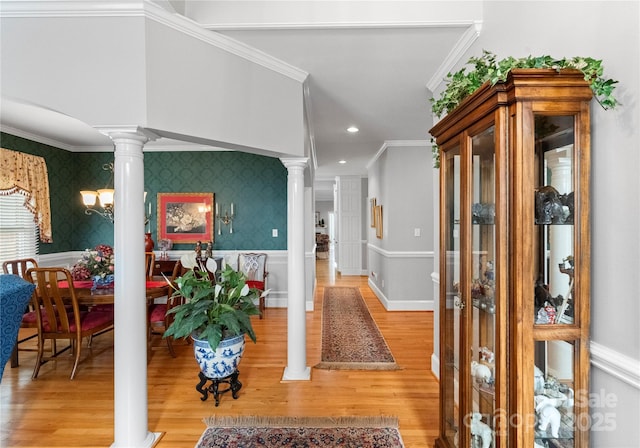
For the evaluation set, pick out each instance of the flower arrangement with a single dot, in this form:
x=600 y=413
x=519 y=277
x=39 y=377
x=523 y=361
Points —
x=94 y=263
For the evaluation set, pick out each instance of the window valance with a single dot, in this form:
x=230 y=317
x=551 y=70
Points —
x=27 y=175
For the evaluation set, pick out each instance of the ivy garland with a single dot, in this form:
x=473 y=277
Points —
x=463 y=83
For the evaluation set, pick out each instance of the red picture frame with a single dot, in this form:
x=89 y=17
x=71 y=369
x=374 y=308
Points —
x=185 y=217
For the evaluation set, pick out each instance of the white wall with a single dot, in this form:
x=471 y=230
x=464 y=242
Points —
x=609 y=31
x=401 y=263
x=153 y=70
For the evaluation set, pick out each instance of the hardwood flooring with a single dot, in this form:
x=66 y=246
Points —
x=55 y=412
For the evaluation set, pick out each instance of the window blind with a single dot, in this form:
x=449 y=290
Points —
x=18 y=231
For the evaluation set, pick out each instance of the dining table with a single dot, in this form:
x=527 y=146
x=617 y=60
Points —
x=155 y=288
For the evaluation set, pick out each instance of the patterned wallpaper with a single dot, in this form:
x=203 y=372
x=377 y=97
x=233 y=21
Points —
x=257 y=185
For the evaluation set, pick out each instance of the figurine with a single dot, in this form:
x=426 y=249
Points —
x=538 y=380
x=198 y=249
x=479 y=428
x=486 y=355
x=209 y=252
x=480 y=372
x=552 y=207
x=548 y=415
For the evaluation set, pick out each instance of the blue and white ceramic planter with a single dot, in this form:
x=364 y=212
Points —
x=102 y=282
x=223 y=361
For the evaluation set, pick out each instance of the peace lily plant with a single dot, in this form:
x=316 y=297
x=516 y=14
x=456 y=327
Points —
x=487 y=68
x=214 y=310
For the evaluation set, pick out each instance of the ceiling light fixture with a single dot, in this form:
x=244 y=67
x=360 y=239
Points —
x=352 y=129
x=342 y=161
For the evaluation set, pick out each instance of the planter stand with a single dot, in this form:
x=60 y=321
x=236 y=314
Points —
x=233 y=385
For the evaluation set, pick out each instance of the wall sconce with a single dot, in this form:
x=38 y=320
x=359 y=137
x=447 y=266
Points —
x=105 y=195
x=226 y=219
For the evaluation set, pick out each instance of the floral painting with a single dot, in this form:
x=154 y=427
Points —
x=185 y=217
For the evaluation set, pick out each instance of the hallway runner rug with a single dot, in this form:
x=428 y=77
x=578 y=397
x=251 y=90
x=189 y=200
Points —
x=300 y=432
x=350 y=338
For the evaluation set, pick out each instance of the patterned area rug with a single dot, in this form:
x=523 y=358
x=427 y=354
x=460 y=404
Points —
x=350 y=338
x=301 y=432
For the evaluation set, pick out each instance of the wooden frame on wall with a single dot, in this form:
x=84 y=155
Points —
x=185 y=217
x=373 y=211
x=378 y=219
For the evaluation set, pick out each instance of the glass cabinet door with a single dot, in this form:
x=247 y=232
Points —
x=554 y=219
x=554 y=293
x=451 y=309
x=482 y=287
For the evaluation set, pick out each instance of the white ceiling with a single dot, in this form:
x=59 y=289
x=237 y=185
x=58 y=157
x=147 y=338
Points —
x=370 y=65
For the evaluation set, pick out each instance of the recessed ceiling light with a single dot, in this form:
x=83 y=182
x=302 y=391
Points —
x=342 y=161
x=352 y=129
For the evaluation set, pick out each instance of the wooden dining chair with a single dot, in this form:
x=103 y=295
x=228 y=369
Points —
x=159 y=321
x=254 y=266
x=58 y=314
x=149 y=264
x=19 y=267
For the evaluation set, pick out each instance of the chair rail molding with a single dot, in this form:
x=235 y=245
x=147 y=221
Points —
x=616 y=364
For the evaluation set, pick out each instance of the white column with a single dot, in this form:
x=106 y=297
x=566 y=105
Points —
x=296 y=313
x=560 y=236
x=130 y=326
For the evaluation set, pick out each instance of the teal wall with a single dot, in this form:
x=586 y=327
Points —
x=257 y=185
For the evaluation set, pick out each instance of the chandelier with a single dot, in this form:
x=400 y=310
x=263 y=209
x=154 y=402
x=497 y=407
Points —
x=105 y=196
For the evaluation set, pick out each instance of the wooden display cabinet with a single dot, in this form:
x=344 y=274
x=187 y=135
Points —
x=514 y=264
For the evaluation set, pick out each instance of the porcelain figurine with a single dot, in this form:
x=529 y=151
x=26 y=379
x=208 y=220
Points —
x=480 y=372
x=479 y=428
x=548 y=415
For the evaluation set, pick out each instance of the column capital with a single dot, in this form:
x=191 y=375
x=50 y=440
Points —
x=131 y=134
x=294 y=162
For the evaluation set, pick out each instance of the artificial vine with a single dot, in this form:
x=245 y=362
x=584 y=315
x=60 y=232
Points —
x=463 y=83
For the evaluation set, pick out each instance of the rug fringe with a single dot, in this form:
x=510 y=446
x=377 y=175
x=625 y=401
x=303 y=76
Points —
x=357 y=366
x=308 y=422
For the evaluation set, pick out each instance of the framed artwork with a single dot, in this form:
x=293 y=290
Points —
x=185 y=217
x=378 y=216
x=373 y=211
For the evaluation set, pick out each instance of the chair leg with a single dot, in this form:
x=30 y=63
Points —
x=36 y=369
x=14 y=356
x=261 y=306
x=77 y=346
x=170 y=346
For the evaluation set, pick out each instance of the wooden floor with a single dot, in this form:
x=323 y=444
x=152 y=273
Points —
x=55 y=412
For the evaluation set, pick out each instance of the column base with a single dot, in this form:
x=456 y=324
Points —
x=288 y=375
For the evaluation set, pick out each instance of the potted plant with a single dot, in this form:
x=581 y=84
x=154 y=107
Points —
x=216 y=315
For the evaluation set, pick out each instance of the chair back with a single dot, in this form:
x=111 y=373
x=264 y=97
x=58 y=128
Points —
x=253 y=265
x=149 y=263
x=19 y=267
x=57 y=310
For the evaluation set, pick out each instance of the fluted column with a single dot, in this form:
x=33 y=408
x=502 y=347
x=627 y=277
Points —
x=130 y=326
x=296 y=311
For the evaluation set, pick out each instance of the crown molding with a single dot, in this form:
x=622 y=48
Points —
x=151 y=11
x=52 y=142
x=331 y=25
x=394 y=143
x=454 y=56
x=309 y=122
